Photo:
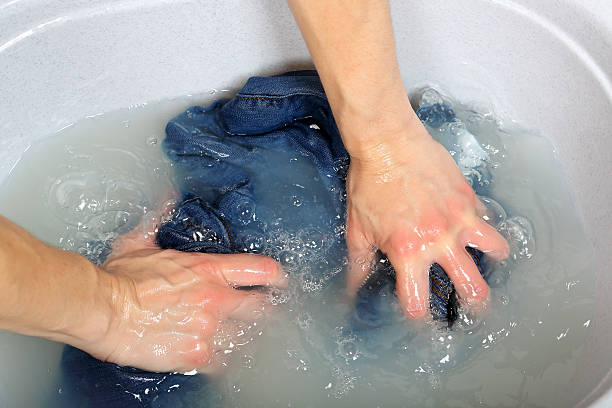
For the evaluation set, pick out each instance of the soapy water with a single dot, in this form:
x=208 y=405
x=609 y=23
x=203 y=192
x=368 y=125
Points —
x=101 y=177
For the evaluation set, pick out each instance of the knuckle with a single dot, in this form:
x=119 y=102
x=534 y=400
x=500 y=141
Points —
x=207 y=296
x=200 y=320
x=481 y=291
x=210 y=266
x=477 y=292
x=200 y=355
x=207 y=265
x=467 y=191
x=435 y=225
x=457 y=206
x=401 y=244
x=209 y=327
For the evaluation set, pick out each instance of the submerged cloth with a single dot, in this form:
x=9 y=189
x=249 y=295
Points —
x=221 y=154
x=216 y=149
x=88 y=382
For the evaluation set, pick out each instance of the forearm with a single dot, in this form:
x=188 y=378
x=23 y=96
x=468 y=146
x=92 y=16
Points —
x=352 y=46
x=50 y=293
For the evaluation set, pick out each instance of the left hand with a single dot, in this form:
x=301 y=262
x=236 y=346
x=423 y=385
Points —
x=167 y=306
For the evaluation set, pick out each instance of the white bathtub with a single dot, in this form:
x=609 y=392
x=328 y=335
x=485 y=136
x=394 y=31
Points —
x=545 y=63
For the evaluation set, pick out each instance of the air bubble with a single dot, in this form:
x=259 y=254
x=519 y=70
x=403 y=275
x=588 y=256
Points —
x=495 y=213
x=348 y=349
x=296 y=201
x=519 y=233
x=305 y=320
x=152 y=140
x=288 y=258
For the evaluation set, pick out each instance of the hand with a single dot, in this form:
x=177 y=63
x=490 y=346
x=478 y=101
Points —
x=407 y=197
x=167 y=304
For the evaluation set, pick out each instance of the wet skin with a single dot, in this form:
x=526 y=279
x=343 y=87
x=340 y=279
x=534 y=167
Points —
x=418 y=209
x=168 y=305
x=405 y=194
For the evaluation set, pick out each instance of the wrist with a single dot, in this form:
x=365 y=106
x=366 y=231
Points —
x=384 y=134
x=89 y=322
x=50 y=293
x=369 y=121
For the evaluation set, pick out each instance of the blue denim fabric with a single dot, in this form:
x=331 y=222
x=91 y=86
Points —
x=215 y=149
x=191 y=215
x=87 y=382
x=220 y=154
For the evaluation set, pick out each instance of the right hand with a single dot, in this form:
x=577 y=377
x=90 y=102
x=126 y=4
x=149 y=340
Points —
x=166 y=305
x=407 y=197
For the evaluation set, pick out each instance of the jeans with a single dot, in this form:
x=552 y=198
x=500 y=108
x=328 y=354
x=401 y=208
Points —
x=222 y=156
x=217 y=149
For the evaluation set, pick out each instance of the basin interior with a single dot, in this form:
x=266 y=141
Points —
x=541 y=63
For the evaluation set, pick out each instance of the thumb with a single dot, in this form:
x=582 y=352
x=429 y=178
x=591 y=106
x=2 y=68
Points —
x=240 y=269
x=142 y=237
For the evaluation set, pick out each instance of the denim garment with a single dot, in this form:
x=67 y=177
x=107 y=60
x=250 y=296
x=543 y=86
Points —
x=215 y=150
x=220 y=153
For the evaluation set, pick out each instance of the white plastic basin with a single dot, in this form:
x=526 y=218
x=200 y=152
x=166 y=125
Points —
x=544 y=63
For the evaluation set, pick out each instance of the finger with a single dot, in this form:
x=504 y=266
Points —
x=360 y=261
x=468 y=282
x=142 y=237
x=223 y=302
x=130 y=243
x=255 y=306
x=220 y=344
x=481 y=208
x=196 y=354
x=487 y=239
x=196 y=321
x=361 y=265
x=237 y=269
x=412 y=284
x=223 y=345
x=219 y=363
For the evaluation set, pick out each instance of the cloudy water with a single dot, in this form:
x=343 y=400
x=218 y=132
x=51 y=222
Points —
x=98 y=178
